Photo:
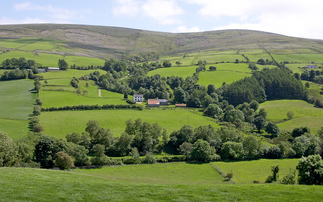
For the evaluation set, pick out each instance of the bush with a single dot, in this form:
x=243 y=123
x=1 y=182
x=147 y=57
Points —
x=37 y=128
x=290 y=178
x=202 y=151
x=149 y=159
x=290 y=115
x=64 y=161
x=274 y=176
x=229 y=176
x=310 y=170
x=130 y=101
x=273 y=152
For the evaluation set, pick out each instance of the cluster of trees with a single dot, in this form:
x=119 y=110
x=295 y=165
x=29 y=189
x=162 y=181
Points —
x=85 y=67
x=62 y=64
x=268 y=84
x=20 y=63
x=75 y=82
x=115 y=65
x=311 y=75
x=92 y=107
x=19 y=74
x=265 y=62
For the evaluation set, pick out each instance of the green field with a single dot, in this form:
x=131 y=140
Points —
x=25 y=184
x=16 y=99
x=303 y=58
x=166 y=173
x=315 y=90
x=304 y=114
x=58 y=124
x=16 y=129
x=174 y=71
x=245 y=172
x=70 y=73
x=47 y=59
x=16 y=106
x=226 y=72
x=15 y=43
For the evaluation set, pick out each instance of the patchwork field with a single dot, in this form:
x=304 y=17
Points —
x=58 y=124
x=303 y=58
x=218 y=77
x=245 y=172
x=304 y=114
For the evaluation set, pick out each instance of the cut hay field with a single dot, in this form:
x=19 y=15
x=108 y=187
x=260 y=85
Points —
x=16 y=106
x=226 y=72
x=174 y=71
x=166 y=173
x=25 y=184
x=245 y=172
x=58 y=124
x=17 y=99
x=304 y=114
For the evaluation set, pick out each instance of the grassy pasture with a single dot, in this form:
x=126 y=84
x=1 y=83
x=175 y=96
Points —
x=167 y=173
x=304 y=114
x=16 y=99
x=47 y=59
x=174 y=71
x=304 y=58
x=245 y=172
x=25 y=184
x=15 y=43
x=39 y=45
x=58 y=124
x=16 y=129
x=70 y=73
x=226 y=72
x=295 y=69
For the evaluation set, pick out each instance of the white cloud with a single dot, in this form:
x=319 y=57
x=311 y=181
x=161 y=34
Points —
x=126 y=7
x=182 y=29
x=53 y=12
x=288 y=17
x=162 y=11
x=10 y=21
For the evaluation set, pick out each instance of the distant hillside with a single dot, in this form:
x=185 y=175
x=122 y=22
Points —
x=138 y=45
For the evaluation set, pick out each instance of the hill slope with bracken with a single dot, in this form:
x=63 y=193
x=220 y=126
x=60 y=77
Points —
x=106 y=42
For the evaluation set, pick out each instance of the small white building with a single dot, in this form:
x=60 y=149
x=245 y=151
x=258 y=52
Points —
x=138 y=97
x=311 y=66
x=48 y=69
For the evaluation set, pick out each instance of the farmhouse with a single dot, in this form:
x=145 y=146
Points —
x=311 y=66
x=180 y=105
x=50 y=69
x=138 y=97
x=153 y=103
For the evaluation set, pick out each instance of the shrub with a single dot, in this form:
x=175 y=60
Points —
x=310 y=170
x=37 y=128
x=229 y=176
x=130 y=101
x=63 y=161
x=149 y=159
x=274 y=176
x=290 y=178
x=290 y=115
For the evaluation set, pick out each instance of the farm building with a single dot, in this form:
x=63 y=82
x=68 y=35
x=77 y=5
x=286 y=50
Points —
x=153 y=103
x=49 y=69
x=180 y=105
x=311 y=66
x=138 y=97
x=41 y=71
x=163 y=101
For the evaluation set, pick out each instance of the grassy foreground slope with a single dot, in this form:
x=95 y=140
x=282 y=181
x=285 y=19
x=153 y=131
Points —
x=58 y=124
x=24 y=184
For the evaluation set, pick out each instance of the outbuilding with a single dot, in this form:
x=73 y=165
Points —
x=51 y=69
x=180 y=105
x=153 y=103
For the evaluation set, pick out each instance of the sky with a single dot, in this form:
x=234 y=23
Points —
x=298 y=18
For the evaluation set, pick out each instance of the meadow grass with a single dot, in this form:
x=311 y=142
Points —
x=39 y=45
x=218 y=77
x=174 y=71
x=161 y=173
x=70 y=73
x=47 y=59
x=16 y=129
x=304 y=114
x=26 y=184
x=304 y=58
x=255 y=57
x=245 y=172
x=58 y=124
x=295 y=67
x=91 y=97
x=15 y=43
x=17 y=99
